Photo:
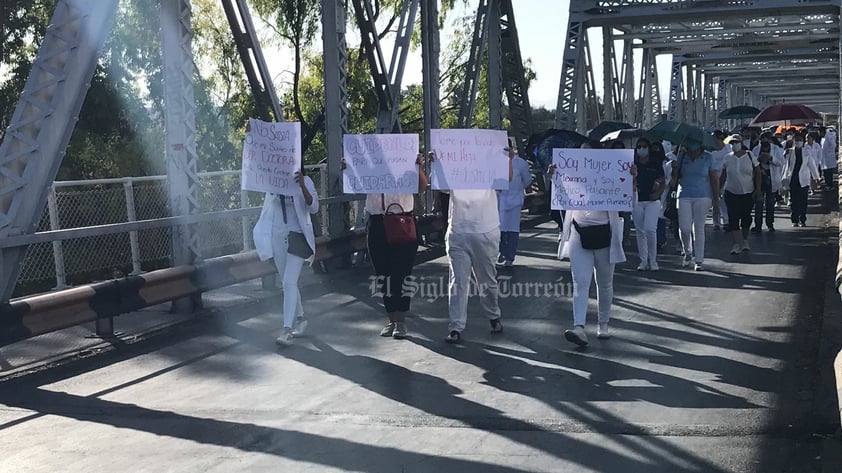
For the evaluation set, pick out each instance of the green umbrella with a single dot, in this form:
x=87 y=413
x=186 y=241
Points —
x=682 y=133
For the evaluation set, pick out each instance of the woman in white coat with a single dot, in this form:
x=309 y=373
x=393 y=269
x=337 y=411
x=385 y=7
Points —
x=593 y=241
x=801 y=172
x=509 y=206
x=829 y=157
x=285 y=234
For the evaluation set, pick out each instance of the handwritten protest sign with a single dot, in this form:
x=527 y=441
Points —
x=592 y=179
x=271 y=157
x=470 y=159
x=380 y=164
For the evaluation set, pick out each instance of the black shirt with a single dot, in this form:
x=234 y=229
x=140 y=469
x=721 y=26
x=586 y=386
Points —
x=647 y=174
x=799 y=160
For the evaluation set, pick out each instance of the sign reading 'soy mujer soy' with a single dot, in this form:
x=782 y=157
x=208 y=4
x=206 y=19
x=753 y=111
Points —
x=592 y=179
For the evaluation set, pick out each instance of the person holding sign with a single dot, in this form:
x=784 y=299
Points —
x=284 y=233
x=509 y=205
x=649 y=184
x=392 y=259
x=472 y=242
x=594 y=248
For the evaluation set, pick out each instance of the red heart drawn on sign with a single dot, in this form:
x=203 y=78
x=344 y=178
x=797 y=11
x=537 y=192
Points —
x=622 y=179
x=581 y=195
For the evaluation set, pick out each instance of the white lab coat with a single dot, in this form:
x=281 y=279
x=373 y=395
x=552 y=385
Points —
x=616 y=254
x=808 y=169
x=829 y=150
x=776 y=166
x=262 y=232
x=510 y=201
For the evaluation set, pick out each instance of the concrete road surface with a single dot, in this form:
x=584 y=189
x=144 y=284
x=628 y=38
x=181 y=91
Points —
x=714 y=371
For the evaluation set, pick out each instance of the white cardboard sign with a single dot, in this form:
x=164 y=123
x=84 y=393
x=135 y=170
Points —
x=271 y=157
x=592 y=179
x=380 y=164
x=470 y=159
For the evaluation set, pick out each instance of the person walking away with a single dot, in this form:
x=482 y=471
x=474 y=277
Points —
x=802 y=174
x=284 y=233
x=829 y=162
x=592 y=240
x=742 y=182
x=392 y=262
x=509 y=206
x=698 y=188
x=649 y=184
x=472 y=242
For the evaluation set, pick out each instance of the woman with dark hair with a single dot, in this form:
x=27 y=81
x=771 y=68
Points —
x=648 y=184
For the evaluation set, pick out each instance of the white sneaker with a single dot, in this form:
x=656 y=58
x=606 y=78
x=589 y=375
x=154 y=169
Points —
x=577 y=336
x=602 y=331
x=299 y=326
x=698 y=267
x=285 y=339
x=654 y=266
x=746 y=246
x=642 y=267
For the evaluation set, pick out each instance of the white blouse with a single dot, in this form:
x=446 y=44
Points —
x=375 y=206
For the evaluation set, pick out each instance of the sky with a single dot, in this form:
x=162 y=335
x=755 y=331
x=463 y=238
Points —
x=541 y=26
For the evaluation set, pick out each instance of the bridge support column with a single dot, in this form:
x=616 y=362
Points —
x=180 y=119
x=571 y=75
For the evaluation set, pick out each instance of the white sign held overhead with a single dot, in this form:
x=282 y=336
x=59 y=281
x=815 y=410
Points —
x=271 y=157
x=592 y=179
x=470 y=159
x=380 y=164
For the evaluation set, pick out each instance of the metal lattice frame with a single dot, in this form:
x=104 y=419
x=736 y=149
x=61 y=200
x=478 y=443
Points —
x=467 y=101
x=430 y=50
x=180 y=120
x=44 y=118
x=336 y=104
x=387 y=78
x=494 y=72
x=520 y=110
x=565 y=115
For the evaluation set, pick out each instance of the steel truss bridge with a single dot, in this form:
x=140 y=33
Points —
x=724 y=53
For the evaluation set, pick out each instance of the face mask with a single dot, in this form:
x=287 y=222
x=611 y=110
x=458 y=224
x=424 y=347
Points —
x=799 y=144
x=789 y=137
x=736 y=147
x=643 y=152
x=693 y=147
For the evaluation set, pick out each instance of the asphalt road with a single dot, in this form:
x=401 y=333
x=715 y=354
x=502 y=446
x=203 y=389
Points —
x=712 y=371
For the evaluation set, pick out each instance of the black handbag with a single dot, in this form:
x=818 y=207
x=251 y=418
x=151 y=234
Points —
x=297 y=245
x=595 y=237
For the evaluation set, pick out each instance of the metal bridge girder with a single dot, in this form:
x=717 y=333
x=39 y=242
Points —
x=570 y=83
x=514 y=76
x=467 y=100
x=44 y=119
x=336 y=104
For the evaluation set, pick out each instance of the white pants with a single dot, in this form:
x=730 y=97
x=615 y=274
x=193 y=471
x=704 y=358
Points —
x=692 y=212
x=472 y=254
x=723 y=211
x=584 y=264
x=289 y=268
x=645 y=217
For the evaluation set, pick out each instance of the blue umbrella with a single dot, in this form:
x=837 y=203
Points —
x=605 y=128
x=544 y=143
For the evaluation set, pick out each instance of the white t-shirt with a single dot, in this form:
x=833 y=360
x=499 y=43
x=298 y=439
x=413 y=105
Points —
x=719 y=157
x=473 y=211
x=740 y=178
x=374 y=205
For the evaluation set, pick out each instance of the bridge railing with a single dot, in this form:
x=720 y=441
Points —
x=89 y=230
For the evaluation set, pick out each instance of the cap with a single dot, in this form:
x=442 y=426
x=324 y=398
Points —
x=733 y=138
